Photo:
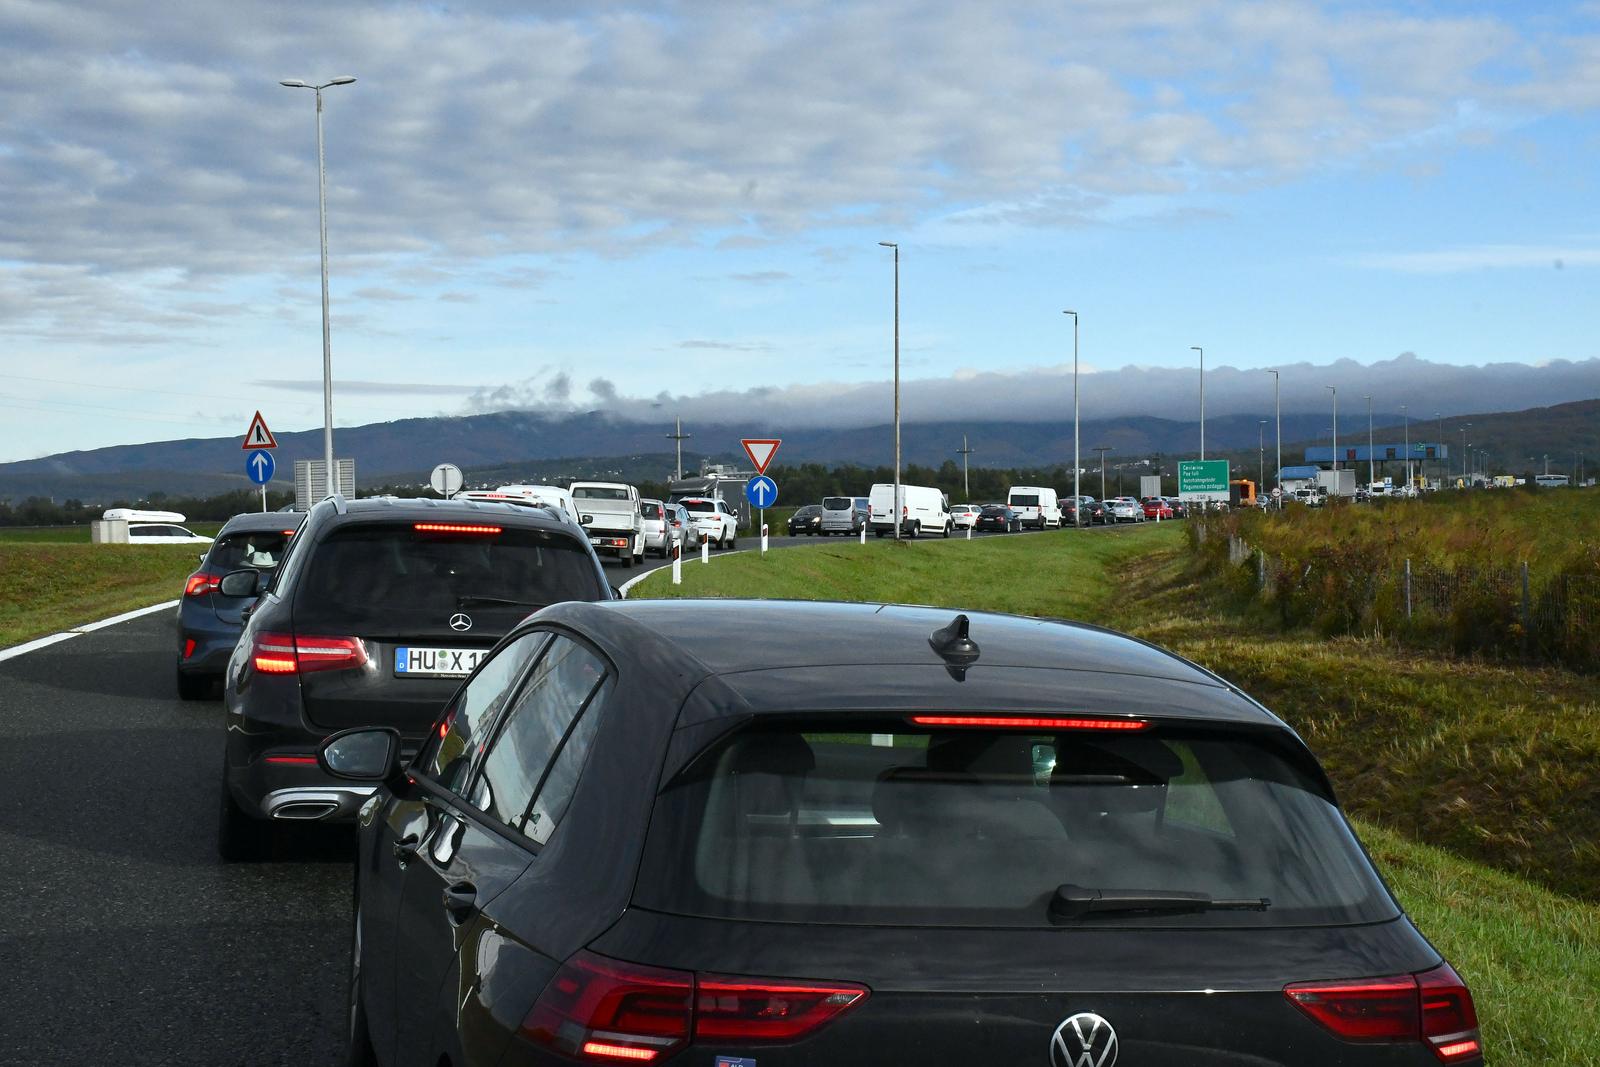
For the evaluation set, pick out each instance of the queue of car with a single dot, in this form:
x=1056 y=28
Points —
x=592 y=831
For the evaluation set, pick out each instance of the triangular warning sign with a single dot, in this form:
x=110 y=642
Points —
x=258 y=436
x=760 y=451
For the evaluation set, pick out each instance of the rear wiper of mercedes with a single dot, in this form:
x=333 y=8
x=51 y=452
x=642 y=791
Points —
x=1074 y=901
x=479 y=598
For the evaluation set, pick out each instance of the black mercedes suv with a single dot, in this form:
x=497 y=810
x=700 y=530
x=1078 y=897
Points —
x=377 y=612
x=858 y=835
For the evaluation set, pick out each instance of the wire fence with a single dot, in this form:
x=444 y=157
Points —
x=1501 y=610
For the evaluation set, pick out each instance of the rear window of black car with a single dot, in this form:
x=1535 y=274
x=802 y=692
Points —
x=394 y=578
x=964 y=827
x=262 y=550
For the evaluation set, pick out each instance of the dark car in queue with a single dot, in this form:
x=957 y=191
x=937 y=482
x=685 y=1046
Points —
x=209 y=621
x=806 y=521
x=1180 y=510
x=997 y=517
x=860 y=834
x=378 y=611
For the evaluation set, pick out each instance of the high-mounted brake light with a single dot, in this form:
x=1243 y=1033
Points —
x=454 y=527
x=297 y=761
x=287 y=533
x=200 y=583
x=279 y=653
x=602 y=1010
x=1434 y=1007
x=1028 y=722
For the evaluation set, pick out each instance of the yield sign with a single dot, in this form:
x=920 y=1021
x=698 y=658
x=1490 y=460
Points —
x=760 y=450
x=258 y=436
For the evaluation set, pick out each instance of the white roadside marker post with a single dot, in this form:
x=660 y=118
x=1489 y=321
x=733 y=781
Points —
x=677 y=564
x=705 y=549
x=763 y=539
x=969 y=533
x=863 y=533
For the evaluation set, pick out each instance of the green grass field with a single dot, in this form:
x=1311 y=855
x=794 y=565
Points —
x=1500 y=765
x=49 y=587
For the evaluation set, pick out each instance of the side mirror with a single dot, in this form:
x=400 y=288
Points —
x=616 y=593
x=585 y=520
x=362 y=755
x=245 y=582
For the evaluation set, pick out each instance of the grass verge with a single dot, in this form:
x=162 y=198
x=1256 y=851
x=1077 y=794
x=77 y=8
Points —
x=1499 y=764
x=49 y=587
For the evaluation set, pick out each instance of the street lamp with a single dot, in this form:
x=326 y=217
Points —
x=1197 y=348
x=1463 y=432
x=1372 y=469
x=1407 y=419
x=1444 y=471
x=322 y=216
x=1261 y=452
x=1277 y=406
x=1077 y=496
x=897 y=506
x=1334 y=390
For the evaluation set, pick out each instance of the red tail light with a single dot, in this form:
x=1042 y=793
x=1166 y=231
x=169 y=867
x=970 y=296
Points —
x=200 y=583
x=1029 y=722
x=604 y=1010
x=277 y=653
x=1434 y=1007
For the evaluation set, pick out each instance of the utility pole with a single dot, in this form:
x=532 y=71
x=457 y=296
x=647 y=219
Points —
x=898 y=505
x=1335 y=391
x=1372 y=463
x=1197 y=348
x=1261 y=452
x=1077 y=498
x=1102 y=449
x=679 y=437
x=1277 y=407
x=966 y=487
x=1407 y=418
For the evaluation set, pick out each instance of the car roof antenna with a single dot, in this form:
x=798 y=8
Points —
x=953 y=645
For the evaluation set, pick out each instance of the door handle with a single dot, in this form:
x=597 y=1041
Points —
x=460 y=901
x=405 y=849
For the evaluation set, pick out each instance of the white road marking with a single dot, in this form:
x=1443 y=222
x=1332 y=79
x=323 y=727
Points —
x=88 y=627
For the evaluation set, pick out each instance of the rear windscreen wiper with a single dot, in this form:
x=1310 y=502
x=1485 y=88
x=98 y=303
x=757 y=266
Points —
x=1075 y=901
x=479 y=598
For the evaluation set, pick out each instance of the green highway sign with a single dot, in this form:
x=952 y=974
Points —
x=1203 y=479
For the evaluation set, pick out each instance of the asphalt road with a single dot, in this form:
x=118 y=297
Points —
x=123 y=939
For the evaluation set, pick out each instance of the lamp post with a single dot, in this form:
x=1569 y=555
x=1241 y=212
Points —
x=1102 y=449
x=1372 y=464
x=1261 y=452
x=1077 y=496
x=1197 y=348
x=1277 y=407
x=1463 y=432
x=1443 y=469
x=322 y=216
x=1334 y=390
x=897 y=504
x=966 y=487
x=678 y=437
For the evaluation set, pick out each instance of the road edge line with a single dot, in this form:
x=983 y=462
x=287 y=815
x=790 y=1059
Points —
x=631 y=582
x=89 y=627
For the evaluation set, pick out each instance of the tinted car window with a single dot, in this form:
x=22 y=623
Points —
x=599 y=493
x=700 y=507
x=981 y=828
x=650 y=511
x=1024 y=500
x=262 y=550
x=536 y=729
x=393 y=578
x=464 y=727
x=837 y=503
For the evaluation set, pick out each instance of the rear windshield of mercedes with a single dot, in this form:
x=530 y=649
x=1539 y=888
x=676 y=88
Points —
x=898 y=824
x=396 y=577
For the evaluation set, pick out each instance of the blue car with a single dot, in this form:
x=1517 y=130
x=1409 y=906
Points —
x=209 y=623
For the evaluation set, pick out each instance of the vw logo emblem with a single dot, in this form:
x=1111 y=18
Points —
x=1084 y=1040
x=458 y=621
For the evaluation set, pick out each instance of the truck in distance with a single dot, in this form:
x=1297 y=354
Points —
x=609 y=511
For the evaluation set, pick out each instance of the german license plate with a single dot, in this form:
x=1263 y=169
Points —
x=418 y=662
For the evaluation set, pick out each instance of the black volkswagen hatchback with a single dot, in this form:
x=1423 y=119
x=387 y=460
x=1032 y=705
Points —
x=377 y=612
x=867 y=835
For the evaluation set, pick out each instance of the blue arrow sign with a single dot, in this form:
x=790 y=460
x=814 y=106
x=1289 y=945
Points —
x=761 y=491
x=259 y=465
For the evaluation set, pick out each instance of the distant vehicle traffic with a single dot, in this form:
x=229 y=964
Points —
x=842 y=515
x=998 y=517
x=922 y=509
x=1156 y=508
x=532 y=495
x=1124 y=509
x=660 y=536
x=620 y=846
x=209 y=622
x=806 y=521
x=610 y=512
x=715 y=522
x=378 y=610
x=963 y=516
x=1035 y=505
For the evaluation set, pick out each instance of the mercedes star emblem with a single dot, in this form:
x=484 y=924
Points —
x=1084 y=1040
x=458 y=621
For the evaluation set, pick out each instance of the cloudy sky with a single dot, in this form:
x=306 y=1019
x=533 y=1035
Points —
x=663 y=207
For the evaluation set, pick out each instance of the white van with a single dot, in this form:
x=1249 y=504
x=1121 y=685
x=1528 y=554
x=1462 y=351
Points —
x=1035 y=505
x=923 y=509
x=529 y=495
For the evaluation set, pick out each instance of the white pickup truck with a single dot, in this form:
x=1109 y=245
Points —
x=609 y=511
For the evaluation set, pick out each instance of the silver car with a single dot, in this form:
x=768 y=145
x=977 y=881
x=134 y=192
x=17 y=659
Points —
x=660 y=535
x=840 y=516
